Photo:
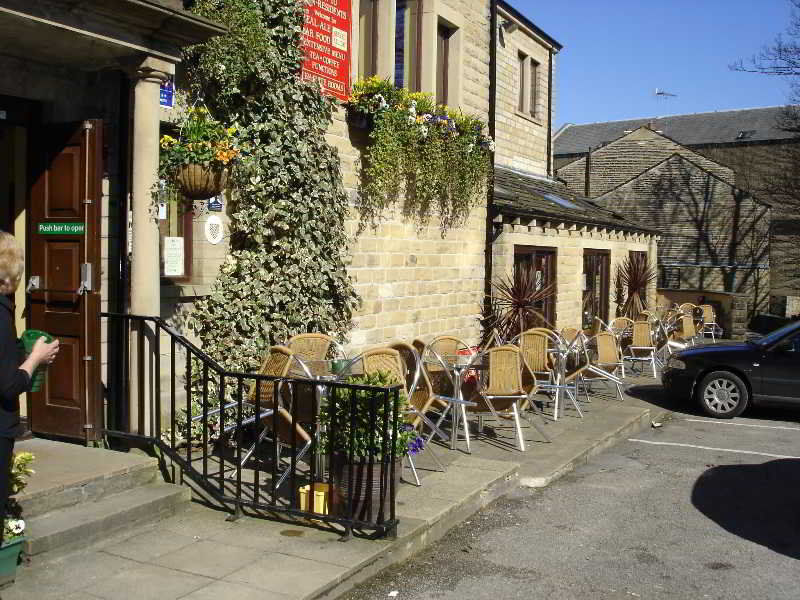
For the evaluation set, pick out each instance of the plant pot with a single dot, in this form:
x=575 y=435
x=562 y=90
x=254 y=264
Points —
x=9 y=559
x=322 y=498
x=365 y=497
x=359 y=120
x=199 y=182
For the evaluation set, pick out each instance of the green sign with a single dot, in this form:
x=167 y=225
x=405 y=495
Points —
x=62 y=228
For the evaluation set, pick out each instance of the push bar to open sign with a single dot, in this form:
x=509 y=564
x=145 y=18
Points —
x=61 y=228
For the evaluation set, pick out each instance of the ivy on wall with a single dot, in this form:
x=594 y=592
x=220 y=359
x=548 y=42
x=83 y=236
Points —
x=285 y=272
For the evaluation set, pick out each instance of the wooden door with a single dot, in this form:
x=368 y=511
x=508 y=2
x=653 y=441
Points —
x=596 y=284
x=64 y=235
x=541 y=262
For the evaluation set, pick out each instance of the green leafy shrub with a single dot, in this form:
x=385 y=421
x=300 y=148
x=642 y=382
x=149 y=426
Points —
x=435 y=158
x=364 y=436
x=14 y=525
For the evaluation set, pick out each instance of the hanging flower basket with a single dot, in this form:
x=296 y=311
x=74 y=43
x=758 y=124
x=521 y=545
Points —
x=200 y=182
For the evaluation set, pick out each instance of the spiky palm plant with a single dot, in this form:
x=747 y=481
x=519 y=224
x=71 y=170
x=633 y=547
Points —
x=512 y=308
x=634 y=275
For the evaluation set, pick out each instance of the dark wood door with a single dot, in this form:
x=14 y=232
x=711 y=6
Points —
x=64 y=234
x=541 y=263
x=596 y=283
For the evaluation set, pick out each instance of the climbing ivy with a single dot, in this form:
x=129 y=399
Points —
x=285 y=272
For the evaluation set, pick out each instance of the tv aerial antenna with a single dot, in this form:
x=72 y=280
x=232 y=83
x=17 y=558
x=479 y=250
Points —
x=664 y=94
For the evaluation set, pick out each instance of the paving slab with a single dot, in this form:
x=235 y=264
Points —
x=198 y=554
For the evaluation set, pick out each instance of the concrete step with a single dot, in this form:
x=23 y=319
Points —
x=75 y=526
x=69 y=474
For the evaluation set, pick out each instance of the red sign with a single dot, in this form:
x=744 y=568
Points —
x=326 y=41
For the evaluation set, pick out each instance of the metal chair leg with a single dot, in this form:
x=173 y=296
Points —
x=520 y=440
x=466 y=427
x=414 y=471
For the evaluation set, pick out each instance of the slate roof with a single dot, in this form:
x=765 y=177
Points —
x=719 y=127
x=524 y=194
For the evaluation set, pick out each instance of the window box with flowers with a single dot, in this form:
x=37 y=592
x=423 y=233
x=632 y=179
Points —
x=199 y=159
x=436 y=159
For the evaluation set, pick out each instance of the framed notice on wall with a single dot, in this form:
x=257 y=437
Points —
x=173 y=257
x=327 y=45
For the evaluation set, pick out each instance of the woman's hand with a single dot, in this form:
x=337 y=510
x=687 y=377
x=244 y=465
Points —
x=44 y=353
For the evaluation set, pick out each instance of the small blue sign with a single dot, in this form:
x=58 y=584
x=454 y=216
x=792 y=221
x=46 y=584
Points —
x=167 y=95
x=215 y=204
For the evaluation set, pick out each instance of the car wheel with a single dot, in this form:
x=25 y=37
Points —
x=722 y=395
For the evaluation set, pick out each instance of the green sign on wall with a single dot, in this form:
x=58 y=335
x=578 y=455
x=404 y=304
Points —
x=62 y=228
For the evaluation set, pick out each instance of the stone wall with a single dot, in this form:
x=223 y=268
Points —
x=731 y=309
x=570 y=244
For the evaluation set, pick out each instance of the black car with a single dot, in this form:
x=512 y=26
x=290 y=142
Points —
x=726 y=377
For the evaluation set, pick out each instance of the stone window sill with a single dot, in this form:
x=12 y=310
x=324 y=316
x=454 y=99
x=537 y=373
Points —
x=528 y=117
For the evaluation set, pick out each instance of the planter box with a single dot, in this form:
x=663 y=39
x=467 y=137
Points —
x=9 y=559
x=365 y=493
x=322 y=498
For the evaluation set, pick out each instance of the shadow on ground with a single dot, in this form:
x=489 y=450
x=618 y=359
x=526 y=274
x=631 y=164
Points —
x=755 y=502
x=655 y=394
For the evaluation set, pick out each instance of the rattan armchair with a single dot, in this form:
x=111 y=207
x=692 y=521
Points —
x=265 y=405
x=710 y=325
x=643 y=347
x=501 y=393
x=607 y=361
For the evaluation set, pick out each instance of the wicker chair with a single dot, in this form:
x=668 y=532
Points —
x=262 y=397
x=420 y=399
x=710 y=322
x=569 y=334
x=607 y=362
x=313 y=348
x=534 y=344
x=501 y=393
x=573 y=374
x=437 y=352
x=642 y=348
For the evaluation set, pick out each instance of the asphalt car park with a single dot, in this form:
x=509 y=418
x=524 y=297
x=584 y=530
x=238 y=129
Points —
x=696 y=508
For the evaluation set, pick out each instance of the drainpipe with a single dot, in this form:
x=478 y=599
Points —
x=490 y=211
x=549 y=111
x=587 y=175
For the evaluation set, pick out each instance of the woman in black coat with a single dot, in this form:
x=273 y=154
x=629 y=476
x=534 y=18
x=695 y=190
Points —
x=15 y=370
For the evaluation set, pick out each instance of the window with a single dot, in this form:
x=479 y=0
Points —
x=443 y=35
x=541 y=262
x=528 y=89
x=175 y=216
x=596 y=272
x=532 y=85
x=406 y=44
x=367 y=38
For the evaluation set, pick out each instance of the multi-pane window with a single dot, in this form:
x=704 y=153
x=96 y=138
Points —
x=541 y=264
x=367 y=36
x=406 y=44
x=443 y=35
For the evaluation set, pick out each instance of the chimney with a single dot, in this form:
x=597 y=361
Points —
x=587 y=181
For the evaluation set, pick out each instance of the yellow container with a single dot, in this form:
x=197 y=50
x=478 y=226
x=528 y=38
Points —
x=322 y=494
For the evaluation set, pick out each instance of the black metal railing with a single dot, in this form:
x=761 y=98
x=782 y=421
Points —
x=227 y=431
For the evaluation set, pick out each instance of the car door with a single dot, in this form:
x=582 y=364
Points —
x=780 y=371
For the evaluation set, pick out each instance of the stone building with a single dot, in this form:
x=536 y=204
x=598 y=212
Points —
x=79 y=126
x=754 y=143
x=715 y=235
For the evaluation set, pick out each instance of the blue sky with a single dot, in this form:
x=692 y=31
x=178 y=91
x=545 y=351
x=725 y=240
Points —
x=616 y=52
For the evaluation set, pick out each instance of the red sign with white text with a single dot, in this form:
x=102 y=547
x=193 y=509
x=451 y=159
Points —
x=326 y=42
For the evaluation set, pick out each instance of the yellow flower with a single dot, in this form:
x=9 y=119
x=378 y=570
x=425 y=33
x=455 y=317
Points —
x=168 y=141
x=231 y=130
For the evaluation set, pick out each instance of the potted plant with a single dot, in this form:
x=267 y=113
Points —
x=633 y=276
x=14 y=525
x=198 y=160
x=346 y=426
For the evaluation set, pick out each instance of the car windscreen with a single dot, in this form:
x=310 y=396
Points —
x=778 y=334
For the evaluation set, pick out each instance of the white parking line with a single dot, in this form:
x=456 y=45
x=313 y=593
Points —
x=710 y=448
x=716 y=422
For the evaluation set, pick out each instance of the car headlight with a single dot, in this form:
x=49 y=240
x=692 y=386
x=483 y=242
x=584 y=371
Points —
x=675 y=363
